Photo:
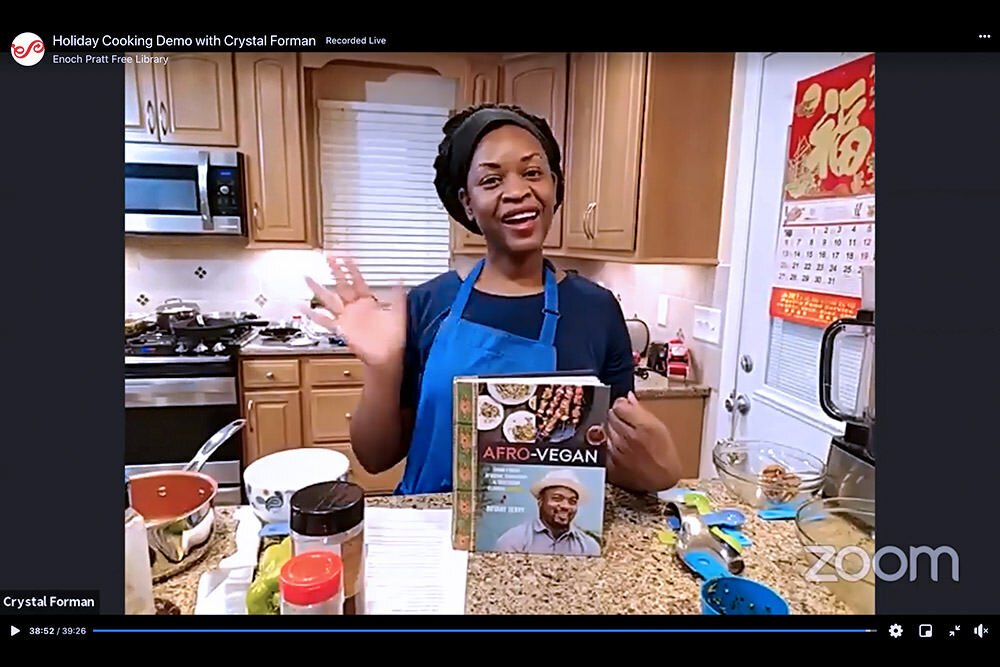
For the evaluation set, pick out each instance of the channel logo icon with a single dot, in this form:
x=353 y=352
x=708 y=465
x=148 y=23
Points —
x=27 y=49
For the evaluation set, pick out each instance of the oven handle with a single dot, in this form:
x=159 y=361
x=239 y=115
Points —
x=206 y=213
x=177 y=392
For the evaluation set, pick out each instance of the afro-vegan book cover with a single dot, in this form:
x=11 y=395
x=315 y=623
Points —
x=529 y=464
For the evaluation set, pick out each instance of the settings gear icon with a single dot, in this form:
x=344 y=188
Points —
x=896 y=630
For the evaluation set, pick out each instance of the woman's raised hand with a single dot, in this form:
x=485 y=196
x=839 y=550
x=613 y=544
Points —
x=375 y=334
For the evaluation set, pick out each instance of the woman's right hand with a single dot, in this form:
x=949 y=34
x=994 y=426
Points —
x=375 y=334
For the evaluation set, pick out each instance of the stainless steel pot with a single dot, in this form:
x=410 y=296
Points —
x=175 y=310
x=178 y=506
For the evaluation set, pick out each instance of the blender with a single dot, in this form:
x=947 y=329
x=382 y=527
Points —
x=851 y=460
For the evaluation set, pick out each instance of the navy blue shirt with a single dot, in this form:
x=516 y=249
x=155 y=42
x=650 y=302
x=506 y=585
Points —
x=590 y=336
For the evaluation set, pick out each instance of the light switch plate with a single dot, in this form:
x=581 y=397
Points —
x=661 y=310
x=708 y=324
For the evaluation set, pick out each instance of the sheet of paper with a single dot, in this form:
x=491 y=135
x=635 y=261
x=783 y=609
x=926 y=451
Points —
x=410 y=566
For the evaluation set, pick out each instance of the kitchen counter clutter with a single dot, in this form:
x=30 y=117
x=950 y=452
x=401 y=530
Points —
x=637 y=574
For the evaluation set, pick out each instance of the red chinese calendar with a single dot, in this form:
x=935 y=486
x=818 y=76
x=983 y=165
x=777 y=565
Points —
x=827 y=229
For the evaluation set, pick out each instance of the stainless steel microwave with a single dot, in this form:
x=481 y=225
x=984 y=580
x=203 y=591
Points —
x=184 y=190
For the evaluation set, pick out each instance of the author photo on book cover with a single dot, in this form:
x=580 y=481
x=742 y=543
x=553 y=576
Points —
x=560 y=495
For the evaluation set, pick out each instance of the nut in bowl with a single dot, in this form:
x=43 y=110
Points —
x=767 y=475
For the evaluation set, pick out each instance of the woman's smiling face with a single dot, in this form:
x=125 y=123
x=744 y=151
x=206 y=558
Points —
x=510 y=190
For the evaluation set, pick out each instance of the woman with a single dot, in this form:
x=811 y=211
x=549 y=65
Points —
x=497 y=173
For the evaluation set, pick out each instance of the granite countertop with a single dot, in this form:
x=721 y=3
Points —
x=636 y=574
x=261 y=348
x=658 y=386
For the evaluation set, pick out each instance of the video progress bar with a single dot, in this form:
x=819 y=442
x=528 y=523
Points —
x=352 y=630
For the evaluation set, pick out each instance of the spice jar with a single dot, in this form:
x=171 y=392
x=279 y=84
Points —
x=310 y=583
x=329 y=516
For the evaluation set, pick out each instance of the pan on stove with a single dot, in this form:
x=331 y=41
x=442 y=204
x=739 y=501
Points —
x=218 y=322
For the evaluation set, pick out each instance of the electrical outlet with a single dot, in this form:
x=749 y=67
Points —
x=661 y=310
x=708 y=324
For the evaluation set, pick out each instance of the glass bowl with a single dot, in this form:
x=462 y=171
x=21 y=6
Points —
x=767 y=475
x=843 y=529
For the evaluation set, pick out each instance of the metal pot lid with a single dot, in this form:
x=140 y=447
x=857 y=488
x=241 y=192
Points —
x=175 y=305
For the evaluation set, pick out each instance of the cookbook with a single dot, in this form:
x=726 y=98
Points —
x=529 y=464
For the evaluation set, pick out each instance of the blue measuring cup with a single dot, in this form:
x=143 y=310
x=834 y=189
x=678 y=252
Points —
x=723 y=594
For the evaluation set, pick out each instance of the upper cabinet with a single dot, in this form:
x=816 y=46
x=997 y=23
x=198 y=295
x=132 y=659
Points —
x=141 y=122
x=189 y=99
x=535 y=82
x=648 y=135
x=270 y=137
x=644 y=139
x=603 y=161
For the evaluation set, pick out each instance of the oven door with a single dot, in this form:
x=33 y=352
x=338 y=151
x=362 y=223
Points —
x=168 y=419
x=182 y=190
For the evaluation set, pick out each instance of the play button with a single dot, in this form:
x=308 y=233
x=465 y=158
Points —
x=13 y=631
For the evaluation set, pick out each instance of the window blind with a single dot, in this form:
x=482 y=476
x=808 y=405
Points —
x=793 y=363
x=379 y=202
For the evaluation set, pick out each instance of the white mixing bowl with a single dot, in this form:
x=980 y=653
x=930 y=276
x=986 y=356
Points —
x=271 y=481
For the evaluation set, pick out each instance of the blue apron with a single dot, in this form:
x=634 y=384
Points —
x=462 y=347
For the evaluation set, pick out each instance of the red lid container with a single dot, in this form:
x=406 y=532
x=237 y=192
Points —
x=311 y=578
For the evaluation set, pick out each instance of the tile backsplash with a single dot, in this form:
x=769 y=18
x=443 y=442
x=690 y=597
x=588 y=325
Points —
x=222 y=274
x=219 y=274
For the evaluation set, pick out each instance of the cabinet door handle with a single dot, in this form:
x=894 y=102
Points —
x=163 y=119
x=347 y=416
x=347 y=373
x=150 y=117
x=269 y=375
x=588 y=219
x=256 y=217
x=250 y=415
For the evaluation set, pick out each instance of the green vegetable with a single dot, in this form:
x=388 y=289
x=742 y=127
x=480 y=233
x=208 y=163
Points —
x=263 y=596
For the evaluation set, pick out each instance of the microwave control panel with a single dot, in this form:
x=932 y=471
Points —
x=224 y=191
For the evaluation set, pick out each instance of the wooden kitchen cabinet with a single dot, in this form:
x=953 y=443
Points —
x=274 y=422
x=647 y=142
x=196 y=99
x=270 y=137
x=190 y=99
x=606 y=107
x=311 y=407
x=141 y=121
x=684 y=416
x=536 y=82
x=607 y=92
x=327 y=416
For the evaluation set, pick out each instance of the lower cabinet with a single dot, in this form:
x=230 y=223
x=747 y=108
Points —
x=273 y=422
x=308 y=403
x=684 y=416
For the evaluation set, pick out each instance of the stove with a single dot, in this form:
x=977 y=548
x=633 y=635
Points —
x=180 y=388
x=191 y=345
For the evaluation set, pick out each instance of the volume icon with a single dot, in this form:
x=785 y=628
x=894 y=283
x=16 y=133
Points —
x=979 y=630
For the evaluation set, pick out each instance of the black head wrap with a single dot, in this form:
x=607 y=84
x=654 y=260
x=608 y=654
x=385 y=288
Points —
x=463 y=133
